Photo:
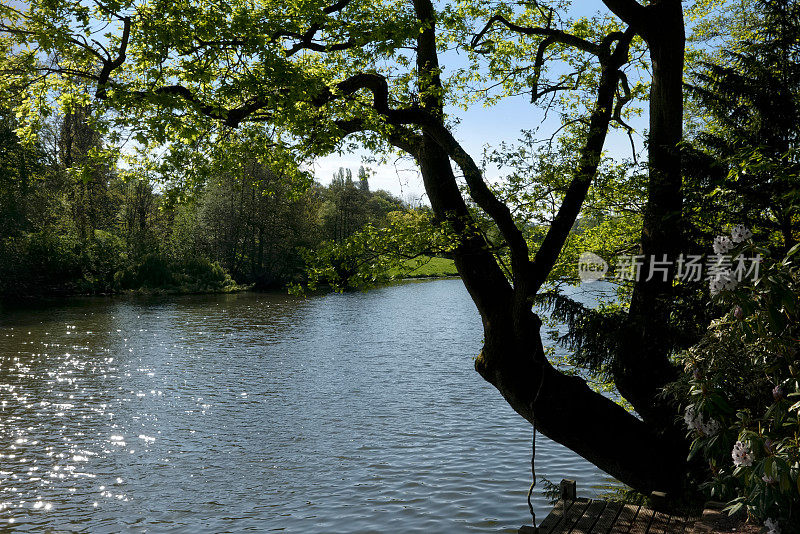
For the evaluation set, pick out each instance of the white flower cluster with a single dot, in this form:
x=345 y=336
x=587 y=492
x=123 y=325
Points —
x=694 y=421
x=722 y=244
x=724 y=279
x=722 y=282
x=741 y=455
x=740 y=233
x=772 y=526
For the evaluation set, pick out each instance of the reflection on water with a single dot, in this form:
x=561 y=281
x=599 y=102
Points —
x=341 y=413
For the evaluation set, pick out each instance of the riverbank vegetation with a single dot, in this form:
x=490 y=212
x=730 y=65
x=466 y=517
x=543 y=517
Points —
x=73 y=223
x=233 y=100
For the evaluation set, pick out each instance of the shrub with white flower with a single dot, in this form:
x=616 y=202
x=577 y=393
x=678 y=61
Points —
x=723 y=278
x=710 y=427
x=690 y=417
x=722 y=282
x=741 y=391
x=722 y=244
x=741 y=455
x=695 y=421
x=740 y=233
x=715 y=286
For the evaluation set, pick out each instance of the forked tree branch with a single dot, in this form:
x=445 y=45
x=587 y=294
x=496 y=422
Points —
x=611 y=60
x=601 y=116
x=305 y=41
x=555 y=36
x=110 y=64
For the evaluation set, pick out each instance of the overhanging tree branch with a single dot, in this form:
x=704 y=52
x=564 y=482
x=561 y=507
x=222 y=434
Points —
x=551 y=34
x=305 y=41
x=432 y=125
x=611 y=60
x=601 y=116
x=110 y=64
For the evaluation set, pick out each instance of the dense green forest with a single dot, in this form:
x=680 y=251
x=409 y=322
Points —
x=69 y=224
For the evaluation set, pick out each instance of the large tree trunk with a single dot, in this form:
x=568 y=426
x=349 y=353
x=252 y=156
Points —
x=562 y=407
x=641 y=374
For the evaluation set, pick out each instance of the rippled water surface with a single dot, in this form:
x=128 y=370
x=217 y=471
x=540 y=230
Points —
x=338 y=413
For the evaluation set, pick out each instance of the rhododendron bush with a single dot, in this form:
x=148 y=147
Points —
x=741 y=391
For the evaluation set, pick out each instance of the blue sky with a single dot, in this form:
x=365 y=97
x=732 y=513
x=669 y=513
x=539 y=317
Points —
x=479 y=126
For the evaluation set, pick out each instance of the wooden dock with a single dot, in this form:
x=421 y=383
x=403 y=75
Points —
x=572 y=515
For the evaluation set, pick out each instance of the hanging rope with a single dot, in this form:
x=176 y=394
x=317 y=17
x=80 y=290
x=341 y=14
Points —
x=533 y=474
x=533 y=449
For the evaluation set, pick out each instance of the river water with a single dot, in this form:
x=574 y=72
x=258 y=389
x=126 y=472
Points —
x=355 y=412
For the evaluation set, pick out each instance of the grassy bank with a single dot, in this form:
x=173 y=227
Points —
x=431 y=267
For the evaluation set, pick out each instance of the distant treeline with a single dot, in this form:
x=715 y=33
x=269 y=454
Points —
x=71 y=225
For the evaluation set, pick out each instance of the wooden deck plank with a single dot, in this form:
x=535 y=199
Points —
x=574 y=513
x=680 y=524
x=659 y=523
x=687 y=524
x=669 y=520
x=589 y=518
x=607 y=518
x=594 y=516
x=642 y=522
x=555 y=516
x=625 y=519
